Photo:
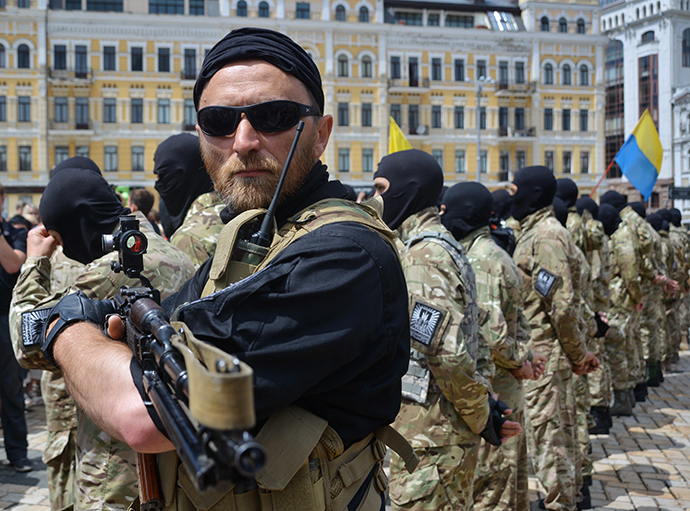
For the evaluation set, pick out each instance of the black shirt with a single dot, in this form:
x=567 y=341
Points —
x=17 y=240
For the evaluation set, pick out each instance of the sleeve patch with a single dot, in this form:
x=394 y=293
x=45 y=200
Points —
x=32 y=327
x=545 y=282
x=427 y=324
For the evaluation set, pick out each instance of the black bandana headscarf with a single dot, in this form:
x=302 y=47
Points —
x=560 y=210
x=416 y=180
x=655 y=220
x=181 y=175
x=615 y=199
x=567 y=191
x=608 y=215
x=588 y=204
x=259 y=43
x=676 y=217
x=468 y=207
x=536 y=190
x=77 y=162
x=501 y=205
x=639 y=208
x=80 y=205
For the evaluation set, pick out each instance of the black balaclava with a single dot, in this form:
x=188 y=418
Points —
x=351 y=193
x=588 y=204
x=665 y=226
x=182 y=176
x=77 y=162
x=80 y=205
x=655 y=220
x=608 y=215
x=639 y=208
x=501 y=205
x=614 y=199
x=536 y=190
x=665 y=214
x=676 y=216
x=560 y=210
x=416 y=181
x=567 y=191
x=468 y=207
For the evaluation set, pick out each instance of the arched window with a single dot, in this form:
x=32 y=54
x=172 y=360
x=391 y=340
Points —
x=651 y=9
x=648 y=36
x=340 y=14
x=644 y=11
x=686 y=47
x=263 y=10
x=580 y=26
x=548 y=74
x=367 y=69
x=241 y=9
x=343 y=66
x=23 y=57
x=567 y=78
x=2 y=56
x=563 y=25
x=617 y=19
x=584 y=75
x=363 y=14
x=545 y=24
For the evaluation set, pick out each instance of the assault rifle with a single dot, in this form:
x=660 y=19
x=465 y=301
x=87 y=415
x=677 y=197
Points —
x=210 y=438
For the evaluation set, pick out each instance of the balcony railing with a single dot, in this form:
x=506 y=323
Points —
x=188 y=127
x=528 y=132
x=66 y=74
x=503 y=131
x=421 y=129
x=82 y=125
x=188 y=74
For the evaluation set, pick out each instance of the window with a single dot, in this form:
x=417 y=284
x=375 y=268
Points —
x=503 y=118
x=436 y=119
x=73 y=5
x=110 y=160
x=241 y=9
x=396 y=114
x=562 y=25
x=23 y=57
x=109 y=58
x=60 y=109
x=647 y=37
x=163 y=60
x=408 y=18
x=459 y=116
x=438 y=156
x=196 y=7
x=137 y=110
x=584 y=120
x=503 y=73
x=137 y=159
x=109 y=110
x=366 y=114
x=23 y=4
x=2 y=57
x=548 y=74
x=340 y=14
x=395 y=67
x=483 y=162
x=166 y=6
x=61 y=154
x=519 y=119
x=302 y=11
x=366 y=67
x=413 y=71
x=580 y=26
x=548 y=160
x=433 y=20
x=413 y=118
x=519 y=72
x=189 y=115
x=137 y=59
x=504 y=161
x=82 y=113
x=363 y=15
x=520 y=159
x=584 y=162
x=343 y=160
x=567 y=77
x=83 y=151
x=343 y=66
x=60 y=56
x=481 y=68
x=3 y=109
x=163 y=111
x=567 y=161
x=458 y=20
x=548 y=119
x=24 y=157
x=343 y=114
x=263 y=10
x=367 y=160
x=584 y=75
x=189 y=71
x=24 y=109
x=81 y=65
x=686 y=47
x=545 y=24
x=460 y=167
x=3 y=158
x=459 y=70
x=482 y=118
x=436 y=70
x=565 y=118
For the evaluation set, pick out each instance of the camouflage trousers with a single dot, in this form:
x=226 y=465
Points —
x=673 y=330
x=599 y=382
x=583 y=404
x=616 y=347
x=652 y=331
x=552 y=438
x=501 y=477
x=441 y=482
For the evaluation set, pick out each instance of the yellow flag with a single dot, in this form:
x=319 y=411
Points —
x=396 y=138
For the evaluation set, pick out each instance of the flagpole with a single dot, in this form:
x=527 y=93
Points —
x=602 y=177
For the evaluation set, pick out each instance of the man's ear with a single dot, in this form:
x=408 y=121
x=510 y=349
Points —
x=324 y=128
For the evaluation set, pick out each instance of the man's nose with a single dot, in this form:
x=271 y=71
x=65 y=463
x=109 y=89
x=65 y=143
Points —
x=246 y=137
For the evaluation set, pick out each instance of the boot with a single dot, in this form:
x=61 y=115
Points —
x=640 y=392
x=660 y=369
x=631 y=398
x=621 y=406
x=601 y=426
x=609 y=419
x=586 y=502
x=587 y=480
x=652 y=375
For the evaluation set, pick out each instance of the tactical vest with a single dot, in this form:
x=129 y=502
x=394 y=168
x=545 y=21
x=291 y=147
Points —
x=418 y=382
x=308 y=468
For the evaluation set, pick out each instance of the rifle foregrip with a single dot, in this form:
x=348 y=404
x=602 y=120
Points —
x=150 y=496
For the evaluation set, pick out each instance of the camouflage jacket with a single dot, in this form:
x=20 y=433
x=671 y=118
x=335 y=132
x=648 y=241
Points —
x=681 y=248
x=674 y=268
x=626 y=289
x=441 y=297
x=545 y=254
x=599 y=258
x=575 y=227
x=198 y=234
x=647 y=262
x=499 y=285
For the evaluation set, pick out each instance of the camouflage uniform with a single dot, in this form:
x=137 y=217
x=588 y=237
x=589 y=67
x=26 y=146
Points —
x=106 y=475
x=445 y=404
x=547 y=258
x=501 y=478
x=681 y=248
x=198 y=234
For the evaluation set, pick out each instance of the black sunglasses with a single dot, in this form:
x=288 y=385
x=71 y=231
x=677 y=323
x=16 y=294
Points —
x=269 y=117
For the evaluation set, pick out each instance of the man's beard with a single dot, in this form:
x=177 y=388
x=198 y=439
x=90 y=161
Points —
x=243 y=193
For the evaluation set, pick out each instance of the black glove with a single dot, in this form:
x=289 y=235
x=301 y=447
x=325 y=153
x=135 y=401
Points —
x=72 y=308
x=492 y=430
x=602 y=327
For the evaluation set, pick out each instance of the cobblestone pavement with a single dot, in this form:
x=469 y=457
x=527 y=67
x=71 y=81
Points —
x=643 y=465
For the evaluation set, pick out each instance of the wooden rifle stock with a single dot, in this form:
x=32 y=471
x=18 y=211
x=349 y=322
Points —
x=149 y=488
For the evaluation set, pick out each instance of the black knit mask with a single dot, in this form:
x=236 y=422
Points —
x=536 y=188
x=468 y=207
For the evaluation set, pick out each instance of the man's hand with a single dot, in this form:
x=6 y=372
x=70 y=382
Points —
x=510 y=429
x=590 y=364
x=524 y=372
x=671 y=287
x=40 y=243
x=498 y=429
x=538 y=364
x=639 y=306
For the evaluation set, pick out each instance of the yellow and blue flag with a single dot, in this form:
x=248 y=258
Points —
x=641 y=155
x=396 y=138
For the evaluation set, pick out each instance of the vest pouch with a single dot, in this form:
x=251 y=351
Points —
x=249 y=253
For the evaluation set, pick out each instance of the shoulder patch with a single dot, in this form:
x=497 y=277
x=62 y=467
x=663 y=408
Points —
x=427 y=323
x=545 y=282
x=32 y=327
